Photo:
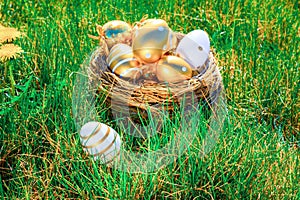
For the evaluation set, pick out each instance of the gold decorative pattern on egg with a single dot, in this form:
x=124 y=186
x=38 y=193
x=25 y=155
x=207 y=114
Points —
x=99 y=141
x=173 y=69
x=93 y=134
x=122 y=62
x=107 y=148
x=117 y=50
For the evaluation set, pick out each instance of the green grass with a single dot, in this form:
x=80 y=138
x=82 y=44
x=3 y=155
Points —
x=257 y=155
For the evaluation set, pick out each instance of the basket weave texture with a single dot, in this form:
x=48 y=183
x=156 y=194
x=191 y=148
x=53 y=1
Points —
x=206 y=84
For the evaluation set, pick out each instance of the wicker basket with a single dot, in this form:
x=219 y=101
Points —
x=206 y=84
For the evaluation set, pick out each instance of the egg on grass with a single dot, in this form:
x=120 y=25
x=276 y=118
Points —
x=100 y=141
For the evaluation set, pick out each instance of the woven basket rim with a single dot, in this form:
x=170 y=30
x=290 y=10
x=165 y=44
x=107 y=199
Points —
x=204 y=84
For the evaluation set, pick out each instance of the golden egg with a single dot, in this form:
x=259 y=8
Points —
x=122 y=62
x=148 y=55
x=173 y=69
x=118 y=49
x=150 y=23
x=149 y=44
x=155 y=23
x=114 y=28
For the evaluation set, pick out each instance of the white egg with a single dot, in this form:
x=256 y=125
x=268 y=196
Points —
x=194 y=48
x=100 y=141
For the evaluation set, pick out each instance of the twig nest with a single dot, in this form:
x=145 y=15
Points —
x=158 y=56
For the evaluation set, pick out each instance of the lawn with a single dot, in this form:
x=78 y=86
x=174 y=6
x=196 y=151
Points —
x=257 y=154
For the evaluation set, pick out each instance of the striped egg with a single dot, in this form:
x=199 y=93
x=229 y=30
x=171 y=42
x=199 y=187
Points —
x=122 y=62
x=173 y=69
x=118 y=49
x=100 y=141
x=152 y=40
x=116 y=27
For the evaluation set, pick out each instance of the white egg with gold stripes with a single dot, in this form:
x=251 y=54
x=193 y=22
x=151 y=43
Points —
x=100 y=141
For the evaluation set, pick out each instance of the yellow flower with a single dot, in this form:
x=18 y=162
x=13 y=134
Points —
x=7 y=34
x=8 y=51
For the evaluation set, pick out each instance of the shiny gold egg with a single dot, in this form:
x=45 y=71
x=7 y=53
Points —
x=114 y=28
x=118 y=49
x=148 y=55
x=122 y=62
x=151 y=23
x=156 y=23
x=173 y=69
x=149 y=44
